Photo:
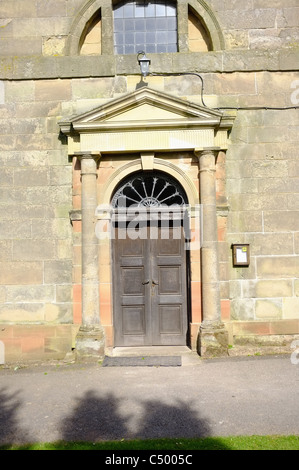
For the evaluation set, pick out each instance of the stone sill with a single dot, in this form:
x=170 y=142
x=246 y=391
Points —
x=41 y=67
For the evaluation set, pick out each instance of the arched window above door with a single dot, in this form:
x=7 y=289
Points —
x=128 y=26
x=149 y=189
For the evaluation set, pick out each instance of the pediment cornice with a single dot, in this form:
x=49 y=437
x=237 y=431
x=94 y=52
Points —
x=147 y=111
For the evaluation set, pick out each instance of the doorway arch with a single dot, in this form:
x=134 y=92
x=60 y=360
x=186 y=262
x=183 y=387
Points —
x=158 y=164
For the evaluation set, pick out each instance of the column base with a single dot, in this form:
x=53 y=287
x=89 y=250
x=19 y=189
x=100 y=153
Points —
x=90 y=344
x=212 y=340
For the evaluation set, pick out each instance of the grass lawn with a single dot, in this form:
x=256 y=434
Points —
x=212 y=443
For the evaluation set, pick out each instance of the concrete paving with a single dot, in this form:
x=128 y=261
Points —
x=87 y=402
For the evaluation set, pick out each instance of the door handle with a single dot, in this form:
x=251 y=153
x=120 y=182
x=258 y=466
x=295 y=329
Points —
x=145 y=282
x=155 y=283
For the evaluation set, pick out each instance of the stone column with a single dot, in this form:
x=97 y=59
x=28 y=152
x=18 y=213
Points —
x=90 y=340
x=213 y=338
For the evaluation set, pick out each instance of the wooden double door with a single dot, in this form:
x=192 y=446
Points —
x=150 y=287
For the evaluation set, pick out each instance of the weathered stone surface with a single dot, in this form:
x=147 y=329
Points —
x=291 y=307
x=90 y=344
x=268 y=309
x=279 y=267
x=270 y=288
x=42 y=78
x=21 y=273
x=58 y=271
x=213 y=340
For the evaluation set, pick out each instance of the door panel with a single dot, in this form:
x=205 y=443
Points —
x=169 y=280
x=169 y=303
x=170 y=319
x=131 y=304
x=150 y=294
x=133 y=320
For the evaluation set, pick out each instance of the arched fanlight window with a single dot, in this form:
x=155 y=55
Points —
x=150 y=26
x=149 y=189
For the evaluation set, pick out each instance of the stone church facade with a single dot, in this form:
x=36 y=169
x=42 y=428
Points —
x=203 y=151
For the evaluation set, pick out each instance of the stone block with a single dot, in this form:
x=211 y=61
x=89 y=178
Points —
x=19 y=47
x=225 y=310
x=213 y=341
x=293 y=201
x=278 y=267
x=258 y=202
x=293 y=168
x=5 y=250
x=58 y=313
x=35 y=294
x=58 y=272
x=90 y=344
x=30 y=177
x=64 y=249
x=54 y=46
x=291 y=308
x=92 y=88
x=251 y=60
x=287 y=58
x=42 y=229
x=267 y=168
x=22 y=312
x=249 y=18
x=35 y=142
x=262 y=244
x=235 y=289
x=236 y=39
x=61 y=175
x=268 y=309
x=58 y=346
x=242 y=309
x=296 y=288
x=6 y=68
x=268 y=289
x=33 y=250
x=279 y=221
x=20 y=92
x=61 y=229
x=19 y=9
x=2 y=294
x=53 y=90
x=278 y=185
x=57 y=6
x=241 y=328
x=21 y=273
x=235 y=84
x=244 y=221
x=34 y=67
x=64 y=293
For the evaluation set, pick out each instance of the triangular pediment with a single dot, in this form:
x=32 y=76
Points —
x=144 y=107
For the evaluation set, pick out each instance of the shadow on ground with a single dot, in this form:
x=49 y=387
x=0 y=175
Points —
x=97 y=419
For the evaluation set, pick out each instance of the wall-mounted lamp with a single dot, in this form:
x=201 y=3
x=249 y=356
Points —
x=144 y=63
x=241 y=254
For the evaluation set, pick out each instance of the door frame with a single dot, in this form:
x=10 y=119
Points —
x=105 y=195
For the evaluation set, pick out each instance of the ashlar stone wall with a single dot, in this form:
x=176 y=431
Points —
x=257 y=178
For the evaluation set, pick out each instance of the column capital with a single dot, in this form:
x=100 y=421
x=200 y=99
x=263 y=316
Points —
x=88 y=155
x=207 y=151
x=89 y=162
x=207 y=158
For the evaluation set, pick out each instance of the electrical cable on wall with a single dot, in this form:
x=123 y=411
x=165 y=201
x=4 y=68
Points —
x=235 y=108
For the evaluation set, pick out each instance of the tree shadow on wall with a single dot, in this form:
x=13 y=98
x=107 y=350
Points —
x=101 y=419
